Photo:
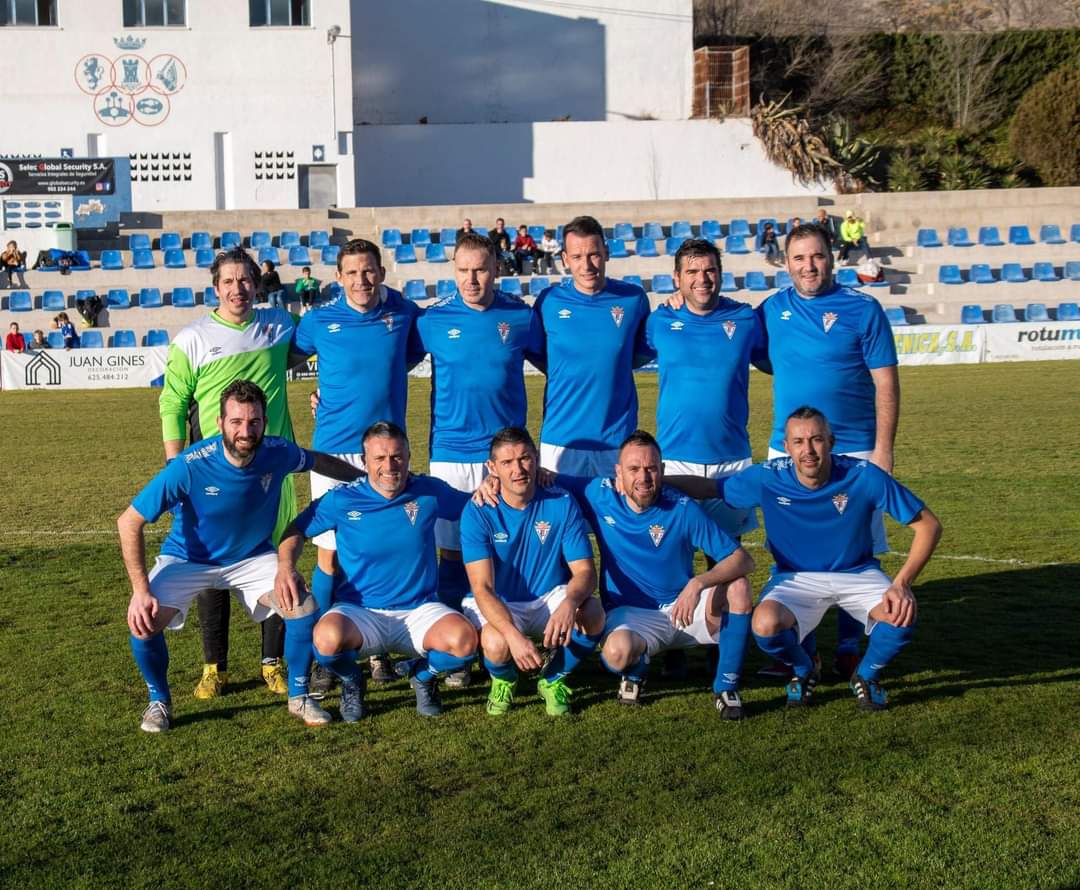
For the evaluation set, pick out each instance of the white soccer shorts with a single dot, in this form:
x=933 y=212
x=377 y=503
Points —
x=529 y=617
x=578 y=461
x=400 y=631
x=175 y=582
x=463 y=477
x=808 y=595
x=735 y=522
x=655 y=627
x=320 y=485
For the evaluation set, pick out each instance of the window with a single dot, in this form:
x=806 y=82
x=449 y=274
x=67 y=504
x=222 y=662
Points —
x=28 y=12
x=154 y=13
x=280 y=13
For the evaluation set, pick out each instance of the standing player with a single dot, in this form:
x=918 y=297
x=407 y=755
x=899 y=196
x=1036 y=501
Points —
x=225 y=491
x=235 y=341
x=593 y=337
x=530 y=565
x=387 y=600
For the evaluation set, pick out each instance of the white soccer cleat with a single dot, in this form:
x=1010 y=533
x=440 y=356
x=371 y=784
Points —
x=307 y=709
x=157 y=717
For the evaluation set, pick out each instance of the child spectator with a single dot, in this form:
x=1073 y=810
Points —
x=524 y=249
x=270 y=286
x=67 y=331
x=307 y=289
x=549 y=252
x=13 y=262
x=767 y=242
x=39 y=341
x=14 y=341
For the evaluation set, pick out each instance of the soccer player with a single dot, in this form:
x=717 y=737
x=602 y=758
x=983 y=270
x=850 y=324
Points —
x=530 y=565
x=648 y=535
x=226 y=492
x=236 y=341
x=593 y=337
x=387 y=601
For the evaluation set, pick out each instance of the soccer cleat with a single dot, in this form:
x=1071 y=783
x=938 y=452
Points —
x=322 y=681
x=352 y=700
x=556 y=695
x=428 y=703
x=501 y=696
x=676 y=667
x=382 y=669
x=630 y=692
x=844 y=664
x=729 y=705
x=800 y=691
x=157 y=717
x=869 y=696
x=212 y=683
x=308 y=710
x=458 y=679
x=775 y=670
x=273 y=675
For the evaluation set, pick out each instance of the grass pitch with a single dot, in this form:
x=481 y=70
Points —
x=971 y=779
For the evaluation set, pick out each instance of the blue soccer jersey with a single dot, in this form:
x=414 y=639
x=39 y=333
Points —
x=386 y=547
x=704 y=360
x=646 y=558
x=822 y=351
x=529 y=548
x=590 y=401
x=224 y=513
x=477 y=376
x=825 y=529
x=363 y=367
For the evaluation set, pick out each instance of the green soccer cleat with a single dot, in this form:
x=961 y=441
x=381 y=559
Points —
x=501 y=696
x=556 y=695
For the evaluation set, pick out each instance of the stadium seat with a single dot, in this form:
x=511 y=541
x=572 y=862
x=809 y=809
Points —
x=391 y=238
x=156 y=337
x=480 y=230
x=138 y=241
x=269 y=255
x=448 y=237
x=755 y=281
x=681 y=228
x=171 y=241
x=183 y=297
x=989 y=237
x=143 y=258
x=1020 y=235
x=118 y=298
x=1013 y=273
x=739 y=227
x=175 y=259
x=538 y=283
x=1050 y=234
x=711 y=229
x=1072 y=270
x=783 y=279
x=122 y=339
x=445 y=287
x=289 y=238
x=950 y=274
x=204 y=257
x=646 y=247
x=54 y=301
x=958 y=237
x=727 y=283
x=112 y=260
x=663 y=284
x=848 y=277
x=511 y=286
x=435 y=253
x=84 y=294
x=318 y=239
x=623 y=230
x=56 y=340
x=210 y=296
x=420 y=237
x=928 y=238
x=1044 y=272
x=260 y=239
x=652 y=230
x=634 y=279
x=761 y=223
x=617 y=249
x=299 y=256
x=328 y=255
x=1074 y=233
x=20 y=301
x=415 y=289
x=981 y=274
x=201 y=240
x=404 y=253
x=1068 y=312
x=150 y=298
x=87 y=340
x=736 y=244
x=896 y=316
x=1036 y=312
x=971 y=314
x=230 y=240
x=672 y=244
x=536 y=233
x=1004 y=312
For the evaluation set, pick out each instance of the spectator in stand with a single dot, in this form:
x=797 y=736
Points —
x=767 y=242
x=852 y=235
x=307 y=289
x=466 y=228
x=14 y=341
x=270 y=286
x=503 y=250
x=39 y=341
x=524 y=249
x=13 y=262
x=824 y=222
x=89 y=308
x=67 y=331
x=550 y=249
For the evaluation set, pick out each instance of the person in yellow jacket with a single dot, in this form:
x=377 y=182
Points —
x=852 y=235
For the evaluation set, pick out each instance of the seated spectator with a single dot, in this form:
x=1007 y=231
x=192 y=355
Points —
x=67 y=331
x=852 y=235
x=39 y=341
x=503 y=250
x=12 y=263
x=66 y=260
x=549 y=252
x=89 y=308
x=767 y=242
x=466 y=228
x=524 y=249
x=270 y=286
x=307 y=289
x=14 y=341
x=824 y=222
x=795 y=221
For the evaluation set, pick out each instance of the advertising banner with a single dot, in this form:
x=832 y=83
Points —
x=57 y=176
x=1032 y=341
x=944 y=344
x=83 y=368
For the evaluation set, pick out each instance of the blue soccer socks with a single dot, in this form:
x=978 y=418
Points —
x=298 y=652
x=152 y=658
x=439 y=663
x=734 y=634
x=785 y=647
x=568 y=657
x=886 y=641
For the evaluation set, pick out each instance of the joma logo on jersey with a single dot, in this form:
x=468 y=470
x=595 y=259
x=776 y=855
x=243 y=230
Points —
x=212 y=490
x=503 y=328
x=677 y=326
x=454 y=334
x=617 y=314
x=354 y=515
x=840 y=501
x=828 y=319
x=565 y=313
x=542 y=530
x=500 y=537
x=333 y=328
x=412 y=510
x=388 y=320
x=656 y=532
x=265 y=481
x=729 y=329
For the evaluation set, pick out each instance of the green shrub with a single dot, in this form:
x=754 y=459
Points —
x=1045 y=131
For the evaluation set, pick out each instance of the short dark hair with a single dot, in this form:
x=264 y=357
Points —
x=583 y=227
x=808 y=412
x=358 y=246
x=696 y=247
x=642 y=438
x=475 y=241
x=234 y=255
x=511 y=435
x=245 y=392
x=269 y=263
x=807 y=230
x=384 y=429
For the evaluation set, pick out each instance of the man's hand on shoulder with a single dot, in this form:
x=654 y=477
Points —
x=883 y=459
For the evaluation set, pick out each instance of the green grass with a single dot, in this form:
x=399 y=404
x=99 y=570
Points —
x=971 y=779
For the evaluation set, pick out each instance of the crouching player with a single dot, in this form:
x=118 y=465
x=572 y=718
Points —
x=385 y=531
x=530 y=567
x=227 y=489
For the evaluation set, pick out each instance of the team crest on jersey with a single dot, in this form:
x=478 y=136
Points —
x=828 y=320
x=503 y=328
x=354 y=515
x=265 y=481
x=656 y=532
x=388 y=320
x=840 y=501
x=333 y=328
x=729 y=329
x=617 y=314
x=454 y=334
x=542 y=528
x=565 y=313
x=412 y=510
x=677 y=326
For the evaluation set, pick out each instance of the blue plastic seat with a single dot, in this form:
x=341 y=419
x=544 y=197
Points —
x=652 y=230
x=928 y=238
x=1013 y=273
x=711 y=229
x=138 y=241
x=420 y=237
x=1068 y=312
x=143 y=258
x=448 y=237
x=1036 y=312
x=210 y=297
x=1050 y=234
x=435 y=253
x=736 y=244
x=289 y=238
x=536 y=233
x=783 y=279
x=972 y=314
x=183 y=296
x=150 y=298
x=511 y=286
x=231 y=240
x=895 y=316
x=681 y=228
x=950 y=274
x=54 y=301
x=537 y=284
x=20 y=301
x=56 y=340
x=445 y=287
x=1072 y=270
x=989 y=237
x=981 y=274
x=739 y=227
x=201 y=240
x=755 y=281
x=634 y=279
x=318 y=239
x=1020 y=235
x=847 y=277
x=122 y=339
x=269 y=255
x=1074 y=233
x=118 y=298
x=646 y=247
x=623 y=230
x=328 y=256
x=87 y=340
x=260 y=239
x=156 y=337
x=391 y=238
x=663 y=284
x=415 y=289
x=617 y=249
x=175 y=259
x=84 y=294
x=672 y=244
x=171 y=241
x=404 y=253
x=727 y=283
x=299 y=256
x=1004 y=312
x=112 y=260
x=1044 y=272
x=958 y=237
x=204 y=257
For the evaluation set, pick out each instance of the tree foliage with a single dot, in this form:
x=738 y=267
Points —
x=1045 y=131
